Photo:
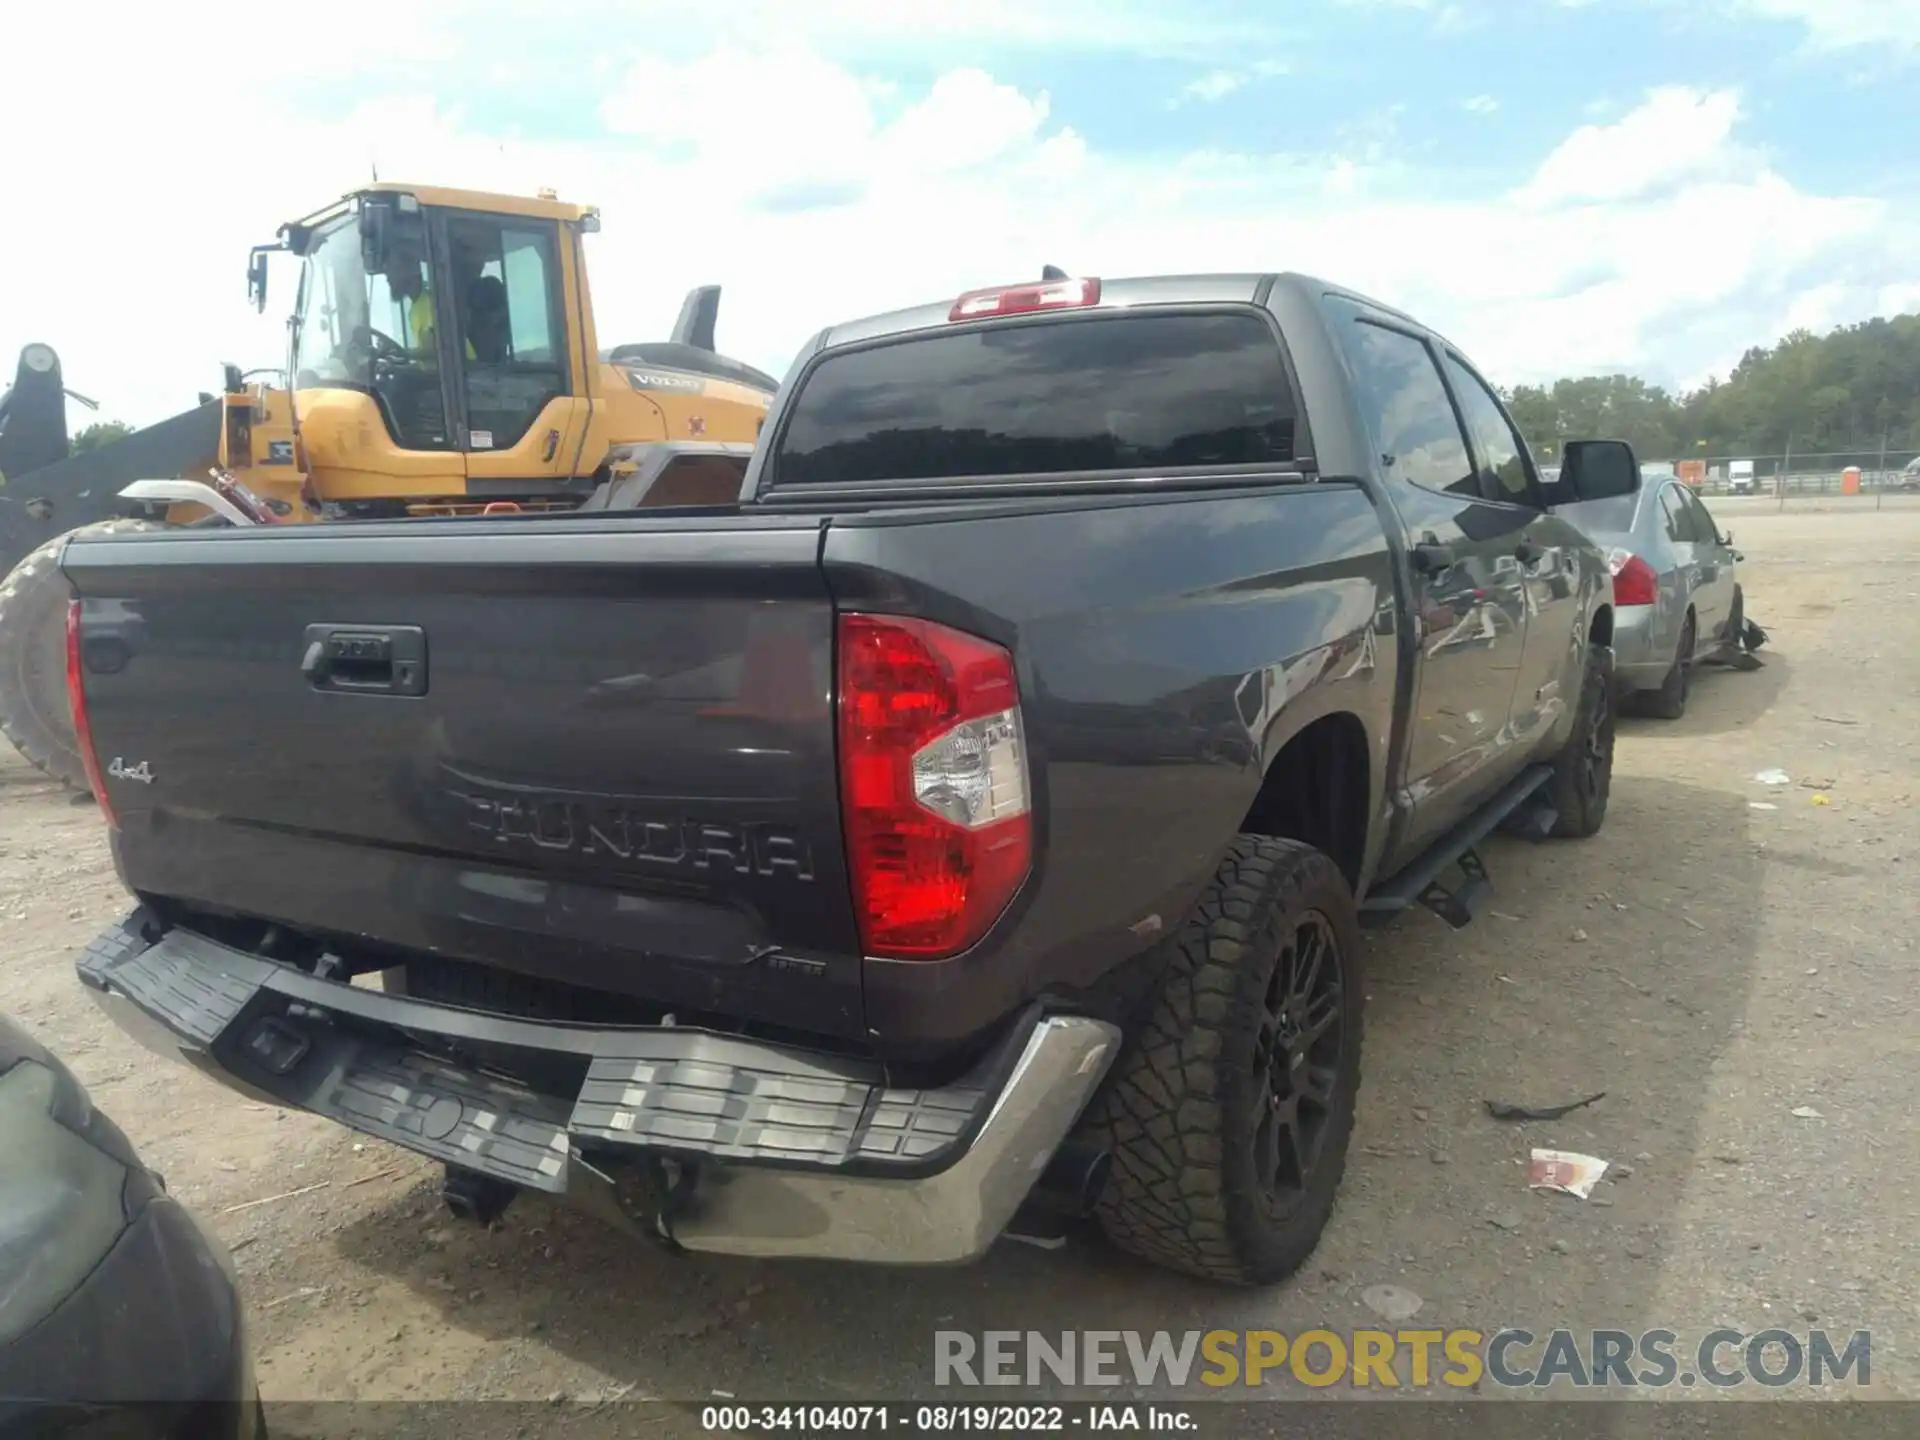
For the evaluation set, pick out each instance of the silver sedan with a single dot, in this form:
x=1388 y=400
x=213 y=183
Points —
x=1676 y=597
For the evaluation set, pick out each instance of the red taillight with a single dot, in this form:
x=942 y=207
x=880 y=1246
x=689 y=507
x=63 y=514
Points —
x=1634 y=582
x=82 y=727
x=933 y=784
x=1024 y=299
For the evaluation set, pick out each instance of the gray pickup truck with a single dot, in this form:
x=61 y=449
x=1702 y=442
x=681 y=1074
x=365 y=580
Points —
x=973 y=818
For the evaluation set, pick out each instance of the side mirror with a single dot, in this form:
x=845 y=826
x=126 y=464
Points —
x=257 y=275
x=1598 y=469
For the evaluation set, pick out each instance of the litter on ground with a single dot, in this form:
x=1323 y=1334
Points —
x=1566 y=1172
x=1506 y=1110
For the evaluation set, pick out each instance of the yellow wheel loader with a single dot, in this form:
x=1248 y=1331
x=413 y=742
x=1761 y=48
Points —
x=443 y=360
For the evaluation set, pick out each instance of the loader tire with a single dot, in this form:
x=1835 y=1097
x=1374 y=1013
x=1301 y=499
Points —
x=1228 y=1113
x=33 y=656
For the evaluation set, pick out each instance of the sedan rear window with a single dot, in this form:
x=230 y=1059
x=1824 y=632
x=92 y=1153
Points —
x=1126 y=392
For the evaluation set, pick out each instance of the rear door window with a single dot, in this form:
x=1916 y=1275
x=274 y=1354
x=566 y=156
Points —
x=1705 y=530
x=1128 y=392
x=1406 y=408
x=1673 y=511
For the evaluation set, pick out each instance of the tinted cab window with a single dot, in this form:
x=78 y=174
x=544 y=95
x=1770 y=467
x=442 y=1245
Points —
x=1706 y=530
x=1674 y=514
x=1407 y=410
x=1500 y=455
x=1132 y=391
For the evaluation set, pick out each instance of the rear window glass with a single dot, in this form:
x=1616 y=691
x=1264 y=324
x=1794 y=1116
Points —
x=1134 y=392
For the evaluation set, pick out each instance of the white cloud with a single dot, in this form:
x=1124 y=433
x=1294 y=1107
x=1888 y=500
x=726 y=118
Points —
x=1214 y=85
x=1446 y=17
x=1827 y=24
x=967 y=119
x=813 y=191
x=1458 y=20
x=918 y=29
x=1678 y=135
x=1839 y=24
x=1899 y=298
x=1480 y=104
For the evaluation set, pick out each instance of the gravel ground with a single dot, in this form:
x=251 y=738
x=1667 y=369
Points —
x=1712 y=966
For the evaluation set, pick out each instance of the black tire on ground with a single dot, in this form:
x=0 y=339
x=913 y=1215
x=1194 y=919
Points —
x=1669 y=702
x=33 y=657
x=1582 y=779
x=1229 y=1111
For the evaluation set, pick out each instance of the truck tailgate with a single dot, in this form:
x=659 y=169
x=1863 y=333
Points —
x=598 y=754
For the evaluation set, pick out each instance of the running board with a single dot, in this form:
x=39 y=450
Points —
x=1420 y=883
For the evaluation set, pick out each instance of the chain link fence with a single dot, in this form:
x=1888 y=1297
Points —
x=1848 y=475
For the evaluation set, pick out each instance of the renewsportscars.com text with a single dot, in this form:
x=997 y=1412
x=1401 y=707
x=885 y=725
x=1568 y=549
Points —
x=1510 y=1358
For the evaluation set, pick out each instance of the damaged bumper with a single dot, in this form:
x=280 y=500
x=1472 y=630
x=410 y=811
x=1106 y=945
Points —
x=751 y=1148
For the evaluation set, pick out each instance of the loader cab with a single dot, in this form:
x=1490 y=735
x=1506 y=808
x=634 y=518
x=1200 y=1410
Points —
x=431 y=349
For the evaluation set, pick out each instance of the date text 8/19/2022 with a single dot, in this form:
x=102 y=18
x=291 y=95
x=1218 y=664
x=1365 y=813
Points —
x=910 y=1419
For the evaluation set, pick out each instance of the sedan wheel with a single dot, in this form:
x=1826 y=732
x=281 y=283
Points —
x=1669 y=702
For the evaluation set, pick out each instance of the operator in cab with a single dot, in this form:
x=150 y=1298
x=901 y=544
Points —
x=407 y=283
x=409 y=286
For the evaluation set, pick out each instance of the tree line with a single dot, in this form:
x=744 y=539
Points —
x=1833 y=394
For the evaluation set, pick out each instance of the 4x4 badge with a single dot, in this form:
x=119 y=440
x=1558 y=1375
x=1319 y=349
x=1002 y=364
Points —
x=120 y=770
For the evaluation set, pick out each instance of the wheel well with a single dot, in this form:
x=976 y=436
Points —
x=1601 y=631
x=1316 y=791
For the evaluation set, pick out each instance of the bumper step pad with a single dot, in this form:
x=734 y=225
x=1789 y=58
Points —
x=466 y=1119
x=382 y=1065
x=735 y=1111
x=197 y=1002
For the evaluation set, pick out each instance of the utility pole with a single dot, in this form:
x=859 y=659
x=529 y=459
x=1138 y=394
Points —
x=1880 y=481
x=1780 y=480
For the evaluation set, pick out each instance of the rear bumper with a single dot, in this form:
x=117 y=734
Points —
x=1638 y=660
x=751 y=1148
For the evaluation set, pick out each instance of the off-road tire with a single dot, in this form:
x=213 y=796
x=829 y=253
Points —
x=1582 y=780
x=33 y=656
x=1182 y=1106
x=1669 y=702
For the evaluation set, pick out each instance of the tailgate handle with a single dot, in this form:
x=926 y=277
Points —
x=366 y=659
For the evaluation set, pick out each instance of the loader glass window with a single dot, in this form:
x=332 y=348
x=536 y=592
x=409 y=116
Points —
x=374 y=333
x=509 y=292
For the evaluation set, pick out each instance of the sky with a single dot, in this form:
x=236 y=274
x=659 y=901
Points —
x=1561 y=186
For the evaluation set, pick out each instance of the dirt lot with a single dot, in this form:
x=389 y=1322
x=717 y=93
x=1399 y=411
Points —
x=1711 y=965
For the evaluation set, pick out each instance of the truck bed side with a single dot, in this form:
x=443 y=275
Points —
x=1168 y=649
